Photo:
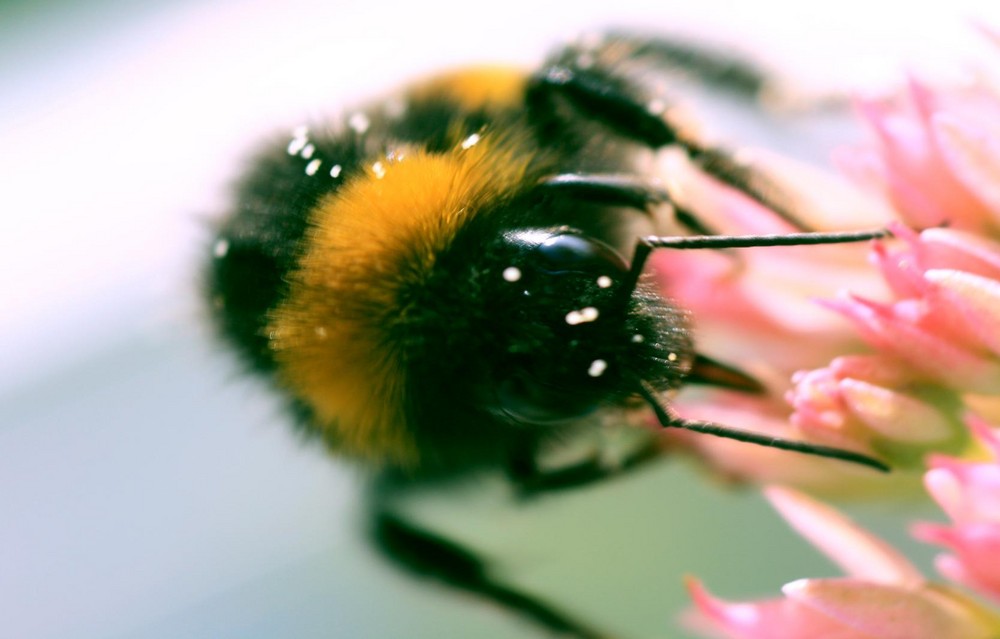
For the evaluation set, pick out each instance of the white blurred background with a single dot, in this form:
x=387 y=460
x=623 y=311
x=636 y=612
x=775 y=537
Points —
x=147 y=491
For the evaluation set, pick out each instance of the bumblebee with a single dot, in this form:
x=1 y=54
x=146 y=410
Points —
x=439 y=282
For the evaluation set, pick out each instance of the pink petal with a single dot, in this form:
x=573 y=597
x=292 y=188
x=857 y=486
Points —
x=958 y=250
x=936 y=166
x=975 y=301
x=876 y=369
x=981 y=483
x=977 y=552
x=903 y=149
x=771 y=619
x=951 y=567
x=967 y=492
x=947 y=490
x=923 y=100
x=863 y=166
x=974 y=157
x=858 y=552
x=887 y=612
x=914 y=205
x=900 y=270
x=896 y=416
x=903 y=141
x=940 y=534
x=934 y=356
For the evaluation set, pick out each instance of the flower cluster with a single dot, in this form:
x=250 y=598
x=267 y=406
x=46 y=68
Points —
x=755 y=308
x=913 y=377
x=969 y=493
x=921 y=316
x=935 y=352
x=936 y=343
x=883 y=596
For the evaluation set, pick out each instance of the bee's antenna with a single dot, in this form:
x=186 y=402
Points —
x=645 y=246
x=669 y=420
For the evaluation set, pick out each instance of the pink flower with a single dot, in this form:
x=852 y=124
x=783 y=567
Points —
x=925 y=355
x=936 y=340
x=849 y=402
x=936 y=156
x=884 y=596
x=753 y=308
x=936 y=345
x=920 y=346
x=942 y=325
x=969 y=492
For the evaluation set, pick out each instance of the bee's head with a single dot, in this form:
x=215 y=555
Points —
x=552 y=337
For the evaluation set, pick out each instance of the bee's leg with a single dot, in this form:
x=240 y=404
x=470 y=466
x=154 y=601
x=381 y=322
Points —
x=728 y=71
x=530 y=480
x=597 y=95
x=725 y=167
x=732 y=71
x=430 y=556
x=626 y=191
x=596 y=84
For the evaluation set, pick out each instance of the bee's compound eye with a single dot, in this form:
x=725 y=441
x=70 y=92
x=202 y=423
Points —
x=554 y=358
x=573 y=252
x=528 y=401
x=563 y=250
